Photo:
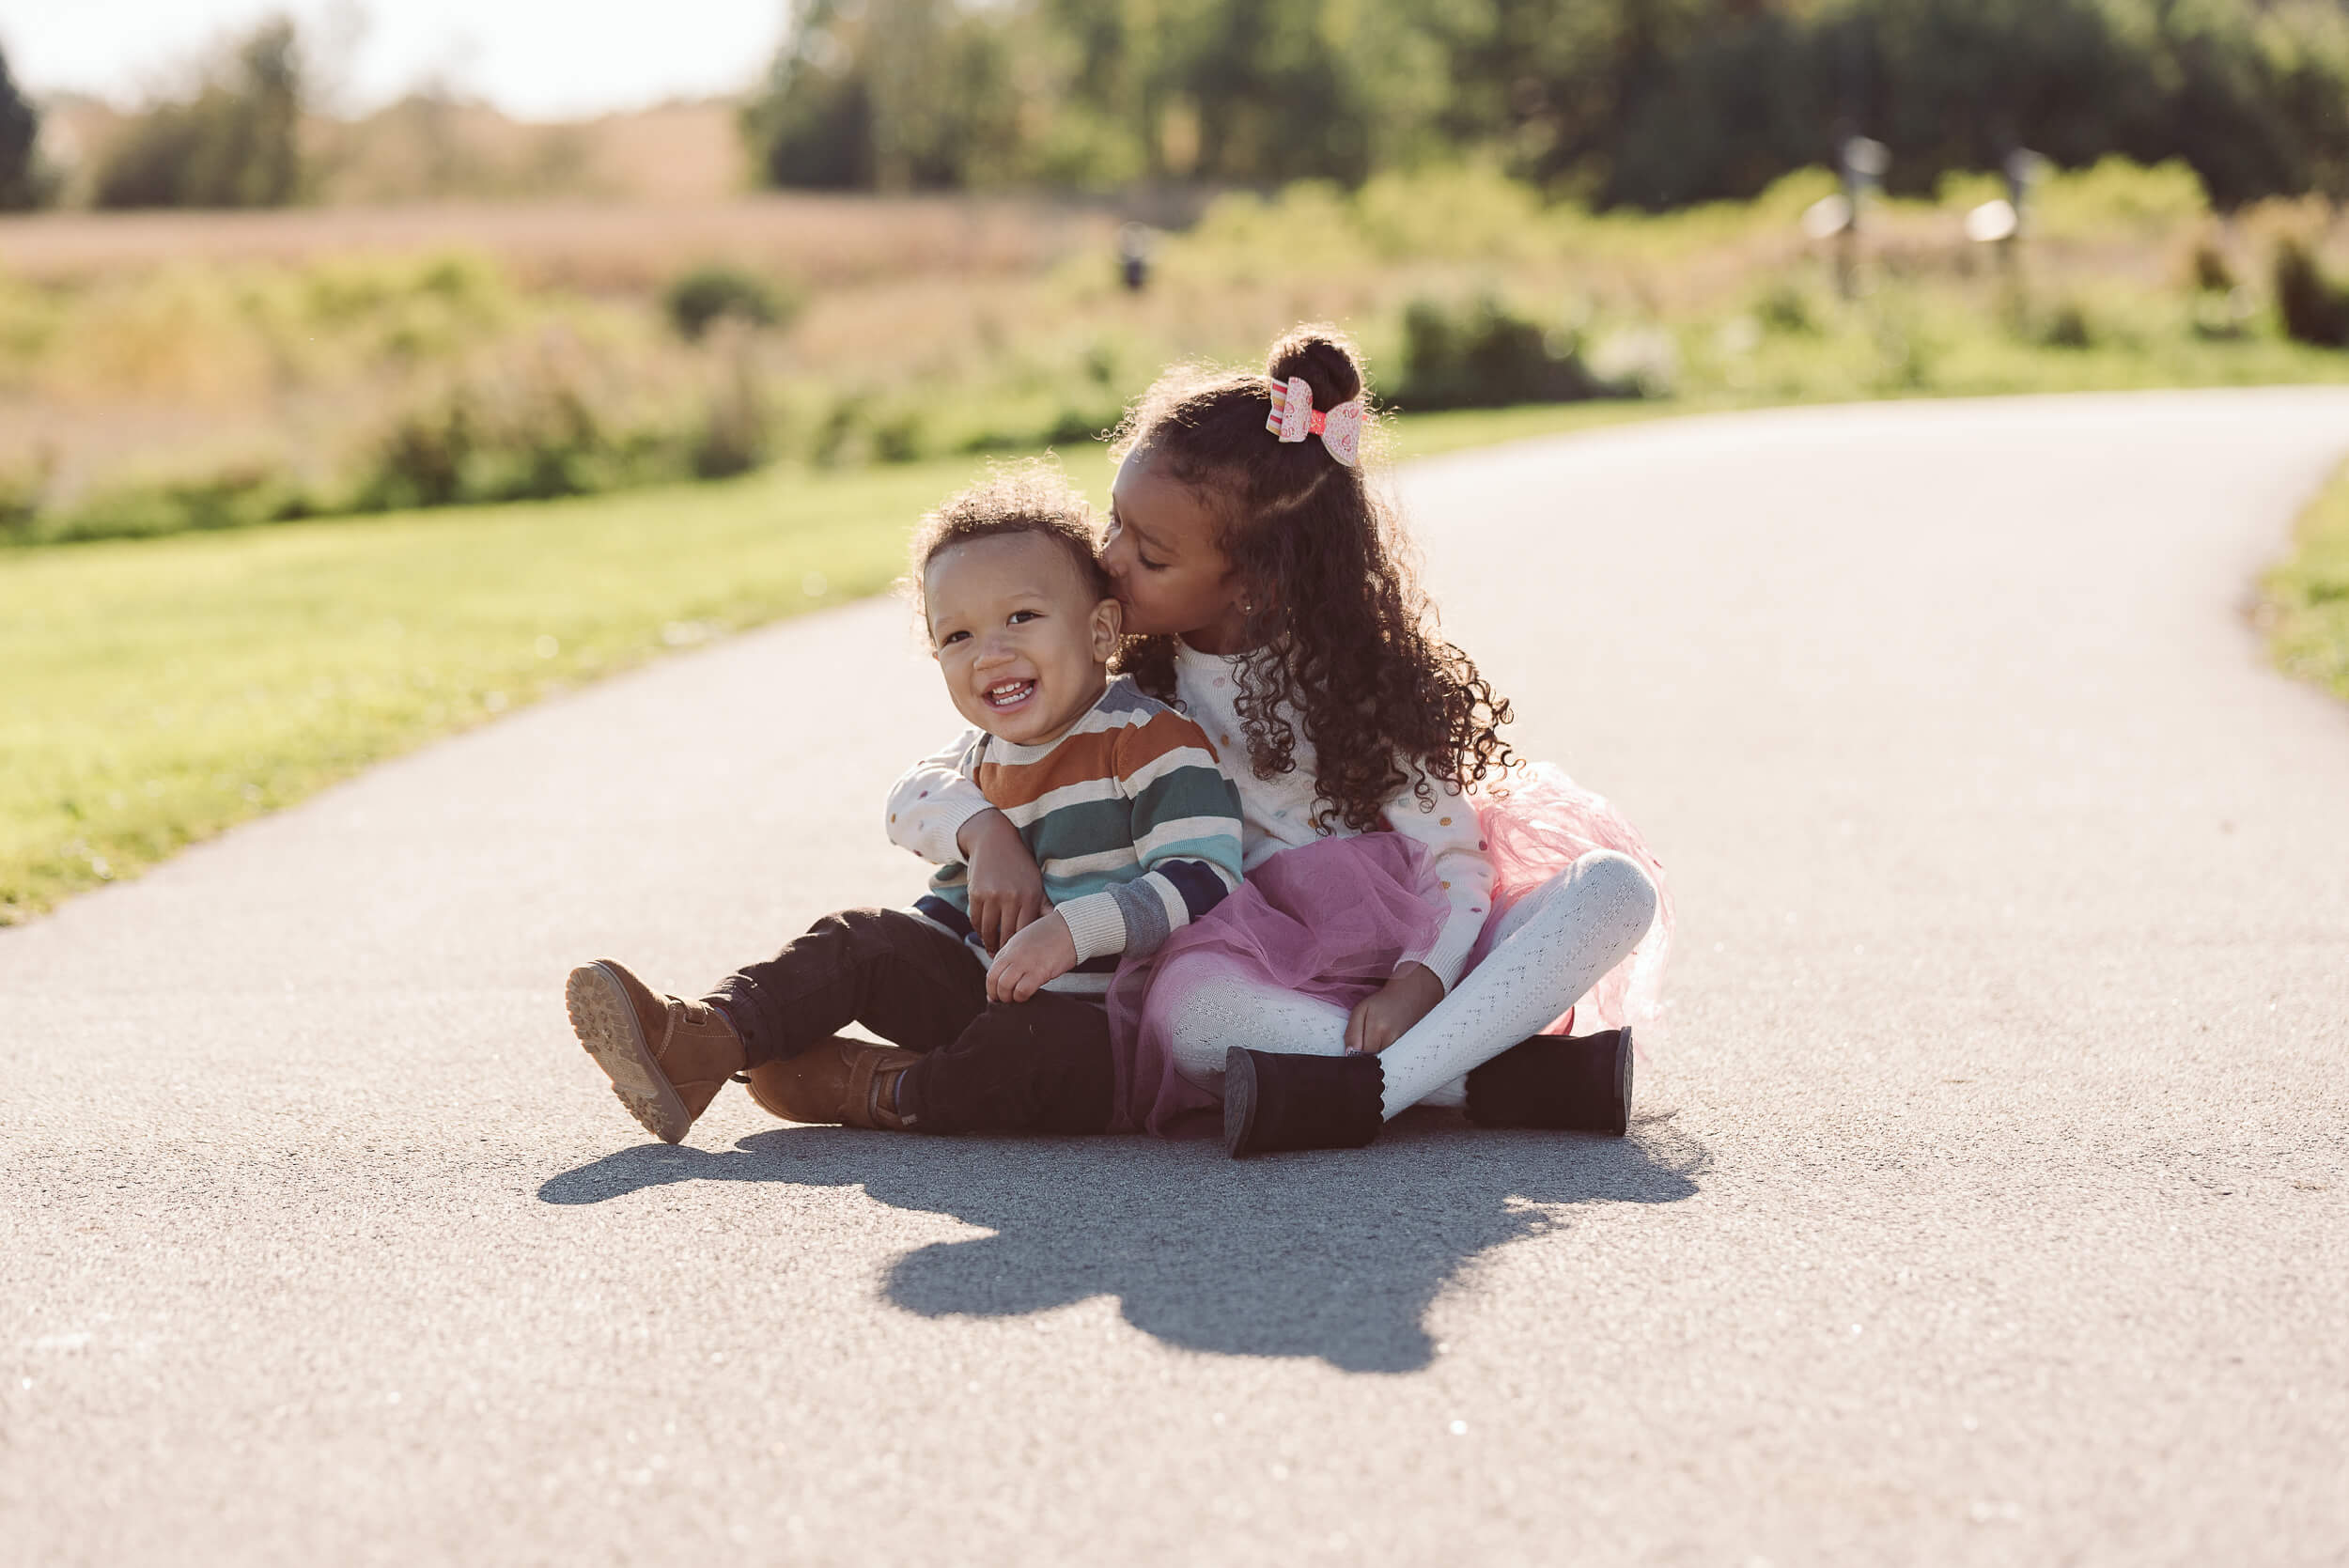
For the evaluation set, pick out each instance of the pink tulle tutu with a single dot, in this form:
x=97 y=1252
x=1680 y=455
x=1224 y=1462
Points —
x=1536 y=822
x=1332 y=920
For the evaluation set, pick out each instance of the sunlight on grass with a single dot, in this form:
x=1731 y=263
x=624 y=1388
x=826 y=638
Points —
x=2307 y=607
x=161 y=691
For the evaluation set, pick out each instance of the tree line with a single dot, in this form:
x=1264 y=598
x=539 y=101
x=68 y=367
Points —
x=1653 y=103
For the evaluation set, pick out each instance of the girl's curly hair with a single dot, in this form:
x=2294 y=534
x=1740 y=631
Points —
x=1344 y=635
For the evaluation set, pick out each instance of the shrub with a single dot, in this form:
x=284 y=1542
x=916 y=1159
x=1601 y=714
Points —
x=2068 y=327
x=2315 y=308
x=241 y=496
x=21 y=491
x=733 y=438
x=422 y=459
x=235 y=144
x=21 y=181
x=708 y=294
x=1486 y=355
x=2208 y=268
x=1787 y=307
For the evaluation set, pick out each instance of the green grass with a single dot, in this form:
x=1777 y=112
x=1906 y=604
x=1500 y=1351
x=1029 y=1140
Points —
x=2307 y=605
x=159 y=691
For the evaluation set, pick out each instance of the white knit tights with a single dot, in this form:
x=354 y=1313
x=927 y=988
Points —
x=1557 y=942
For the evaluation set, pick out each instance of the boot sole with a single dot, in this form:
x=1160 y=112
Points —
x=1240 y=1104
x=606 y=1026
x=1622 y=1078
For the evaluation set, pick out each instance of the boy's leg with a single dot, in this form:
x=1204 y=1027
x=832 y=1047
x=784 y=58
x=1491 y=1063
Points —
x=888 y=969
x=1039 y=1065
x=668 y=1058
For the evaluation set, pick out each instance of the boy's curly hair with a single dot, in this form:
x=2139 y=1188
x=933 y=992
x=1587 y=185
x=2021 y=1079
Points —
x=1345 y=636
x=1033 y=497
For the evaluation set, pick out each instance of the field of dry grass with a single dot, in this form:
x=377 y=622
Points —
x=425 y=148
x=135 y=347
x=575 y=242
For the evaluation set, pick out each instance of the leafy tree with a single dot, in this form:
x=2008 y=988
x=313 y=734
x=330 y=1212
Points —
x=888 y=95
x=235 y=143
x=1650 y=103
x=20 y=129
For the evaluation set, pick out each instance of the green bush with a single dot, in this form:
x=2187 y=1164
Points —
x=237 y=143
x=1484 y=355
x=734 y=437
x=243 y=496
x=1652 y=103
x=2313 y=307
x=2208 y=268
x=2068 y=327
x=21 y=491
x=700 y=298
x=21 y=183
x=532 y=436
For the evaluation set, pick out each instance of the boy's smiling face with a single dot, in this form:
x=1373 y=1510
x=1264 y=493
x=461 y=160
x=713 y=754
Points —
x=1020 y=637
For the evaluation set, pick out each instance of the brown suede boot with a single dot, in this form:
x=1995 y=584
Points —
x=850 y=1082
x=667 y=1057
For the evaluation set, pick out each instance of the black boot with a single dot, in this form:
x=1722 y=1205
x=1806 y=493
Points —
x=1567 y=1083
x=1273 y=1102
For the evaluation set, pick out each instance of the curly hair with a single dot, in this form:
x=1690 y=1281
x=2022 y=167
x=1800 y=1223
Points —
x=1344 y=635
x=1032 y=497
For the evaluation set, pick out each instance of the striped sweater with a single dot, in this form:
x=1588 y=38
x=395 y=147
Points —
x=1133 y=823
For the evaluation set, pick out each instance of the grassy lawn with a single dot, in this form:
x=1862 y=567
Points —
x=2307 y=607
x=161 y=691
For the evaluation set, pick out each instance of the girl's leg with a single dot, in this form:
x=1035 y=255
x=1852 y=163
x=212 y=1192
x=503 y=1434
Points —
x=1569 y=932
x=1211 y=1014
x=1216 y=1014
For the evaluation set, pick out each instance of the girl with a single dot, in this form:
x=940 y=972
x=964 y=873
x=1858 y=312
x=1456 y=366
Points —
x=1373 y=956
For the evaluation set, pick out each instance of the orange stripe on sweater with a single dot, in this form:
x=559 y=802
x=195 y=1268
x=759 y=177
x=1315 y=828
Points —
x=1101 y=755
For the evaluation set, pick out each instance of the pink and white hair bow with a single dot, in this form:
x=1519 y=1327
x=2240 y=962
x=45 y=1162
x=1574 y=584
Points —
x=1294 y=418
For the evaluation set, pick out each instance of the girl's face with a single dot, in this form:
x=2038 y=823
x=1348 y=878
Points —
x=1171 y=575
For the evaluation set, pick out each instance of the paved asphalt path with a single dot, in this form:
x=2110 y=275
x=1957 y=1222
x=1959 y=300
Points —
x=1988 y=1203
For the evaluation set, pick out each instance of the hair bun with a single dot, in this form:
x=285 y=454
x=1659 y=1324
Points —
x=1324 y=357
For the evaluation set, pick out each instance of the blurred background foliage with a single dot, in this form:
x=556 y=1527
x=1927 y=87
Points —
x=1655 y=103
x=916 y=242
x=235 y=142
x=1510 y=201
x=1650 y=103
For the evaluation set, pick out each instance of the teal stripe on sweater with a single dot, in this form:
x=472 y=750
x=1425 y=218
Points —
x=1186 y=792
x=1090 y=828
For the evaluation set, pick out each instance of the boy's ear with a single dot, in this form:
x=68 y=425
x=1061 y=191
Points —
x=1109 y=626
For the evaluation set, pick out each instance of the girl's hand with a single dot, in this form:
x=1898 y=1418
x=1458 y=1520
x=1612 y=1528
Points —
x=1042 y=953
x=1384 y=1016
x=1006 y=889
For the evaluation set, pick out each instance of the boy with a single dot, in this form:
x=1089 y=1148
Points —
x=1120 y=798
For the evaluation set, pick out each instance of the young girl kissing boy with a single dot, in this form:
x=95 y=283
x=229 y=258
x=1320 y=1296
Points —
x=1116 y=798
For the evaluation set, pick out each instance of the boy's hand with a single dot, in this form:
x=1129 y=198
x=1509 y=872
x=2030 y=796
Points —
x=1006 y=889
x=1041 y=953
x=1385 y=1016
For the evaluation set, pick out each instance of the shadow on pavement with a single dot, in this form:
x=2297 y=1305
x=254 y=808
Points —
x=1336 y=1255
